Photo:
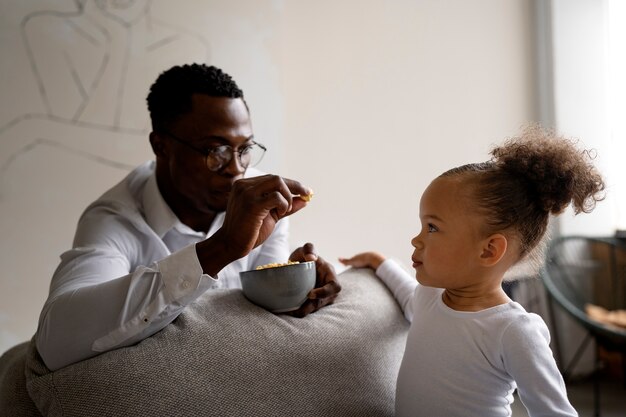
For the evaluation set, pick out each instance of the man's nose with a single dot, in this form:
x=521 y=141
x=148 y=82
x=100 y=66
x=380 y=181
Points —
x=234 y=167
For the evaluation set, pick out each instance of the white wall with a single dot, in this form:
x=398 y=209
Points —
x=364 y=101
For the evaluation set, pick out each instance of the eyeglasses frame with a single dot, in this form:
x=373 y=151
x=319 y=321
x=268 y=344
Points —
x=207 y=152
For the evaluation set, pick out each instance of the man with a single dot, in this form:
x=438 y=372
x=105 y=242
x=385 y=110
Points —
x=175 y=227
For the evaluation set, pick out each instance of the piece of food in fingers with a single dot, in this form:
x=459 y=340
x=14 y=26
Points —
x=305 y=197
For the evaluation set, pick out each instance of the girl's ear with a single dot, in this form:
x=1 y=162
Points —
x=158 y=146
x=493 y=250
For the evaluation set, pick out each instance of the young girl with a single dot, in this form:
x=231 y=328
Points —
x=469 y=346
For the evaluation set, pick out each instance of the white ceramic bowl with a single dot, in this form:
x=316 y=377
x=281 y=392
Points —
x=279 y=289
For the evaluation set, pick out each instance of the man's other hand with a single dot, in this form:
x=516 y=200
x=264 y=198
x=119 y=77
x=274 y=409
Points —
x=326 y=286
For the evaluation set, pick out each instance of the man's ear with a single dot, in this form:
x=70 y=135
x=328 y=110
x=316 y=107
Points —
x=493 y=249
x=158 y=146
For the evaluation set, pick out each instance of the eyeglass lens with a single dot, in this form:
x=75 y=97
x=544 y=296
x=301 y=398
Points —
x=222 y=155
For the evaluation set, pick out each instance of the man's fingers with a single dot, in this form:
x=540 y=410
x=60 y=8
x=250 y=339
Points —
x=254 y=207
x=311 y=306
x=309 y=249
x=275 y=201
x=304 y=253
x=304 y=310
x=285 y=186
x=297 y=188
x=327 y=284
x=318 y=298
x=327 y=287
x=325 y=271
x=264 y=188
x=328 y=290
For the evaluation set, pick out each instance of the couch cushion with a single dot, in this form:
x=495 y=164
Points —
x=14 y=399
x=225 y=356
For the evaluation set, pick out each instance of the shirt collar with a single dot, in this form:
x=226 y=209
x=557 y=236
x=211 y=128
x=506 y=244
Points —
x=159 y=215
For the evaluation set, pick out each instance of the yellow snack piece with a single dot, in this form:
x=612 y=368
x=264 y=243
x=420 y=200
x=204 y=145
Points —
x=276 y=265
x=307 y=197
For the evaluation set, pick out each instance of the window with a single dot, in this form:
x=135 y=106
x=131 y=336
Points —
x=616 y=87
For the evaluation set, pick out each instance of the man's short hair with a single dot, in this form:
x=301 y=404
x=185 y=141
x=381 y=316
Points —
x=170 y=95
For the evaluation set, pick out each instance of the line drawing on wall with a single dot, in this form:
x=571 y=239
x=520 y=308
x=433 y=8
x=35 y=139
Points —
x=92 y=67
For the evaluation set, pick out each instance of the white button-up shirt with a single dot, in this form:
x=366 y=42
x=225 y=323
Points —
x=132 y=270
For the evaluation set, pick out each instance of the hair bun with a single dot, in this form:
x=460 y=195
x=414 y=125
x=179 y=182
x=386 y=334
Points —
x=556 y=171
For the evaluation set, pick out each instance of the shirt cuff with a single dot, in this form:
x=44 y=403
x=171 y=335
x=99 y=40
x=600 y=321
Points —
x=393 y=275
x=182 y=273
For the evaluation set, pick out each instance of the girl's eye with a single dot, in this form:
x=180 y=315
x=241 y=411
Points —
x=431 y=228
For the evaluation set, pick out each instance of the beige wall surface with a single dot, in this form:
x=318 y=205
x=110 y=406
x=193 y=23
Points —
x=364 y=101
x=380 y=97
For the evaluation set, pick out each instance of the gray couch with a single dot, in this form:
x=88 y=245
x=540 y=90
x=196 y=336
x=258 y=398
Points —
x=224 y=356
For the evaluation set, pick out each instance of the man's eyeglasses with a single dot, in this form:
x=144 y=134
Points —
x=218 y=157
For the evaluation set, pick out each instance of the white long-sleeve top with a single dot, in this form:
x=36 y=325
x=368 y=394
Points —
x=132 y=270
x=469 y=363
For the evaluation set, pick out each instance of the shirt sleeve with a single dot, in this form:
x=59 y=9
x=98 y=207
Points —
x=400 y=283
x=97 y=304
x=275 y=248
x=528 y=359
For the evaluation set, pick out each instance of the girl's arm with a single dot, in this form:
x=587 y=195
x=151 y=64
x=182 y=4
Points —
x=528 y=359
x=399 y=282
x=370 y=260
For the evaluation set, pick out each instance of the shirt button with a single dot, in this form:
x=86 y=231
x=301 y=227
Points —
x=186 y=284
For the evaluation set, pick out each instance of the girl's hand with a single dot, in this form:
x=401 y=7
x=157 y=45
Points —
x=364 y=260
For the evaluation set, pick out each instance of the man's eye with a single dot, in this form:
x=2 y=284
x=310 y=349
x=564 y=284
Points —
x=245 y=150
x=218 y=150
x=432 y=228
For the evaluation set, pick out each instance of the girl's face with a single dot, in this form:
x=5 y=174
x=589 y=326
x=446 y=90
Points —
x=448 y=248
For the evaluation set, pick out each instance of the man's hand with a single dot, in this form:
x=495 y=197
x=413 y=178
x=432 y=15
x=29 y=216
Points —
x=254 y=207
x=326 y=286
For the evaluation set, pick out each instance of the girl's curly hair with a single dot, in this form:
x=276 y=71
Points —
x=530 y=177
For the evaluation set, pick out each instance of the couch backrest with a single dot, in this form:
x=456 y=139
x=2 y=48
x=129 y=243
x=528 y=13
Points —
x=224 y=356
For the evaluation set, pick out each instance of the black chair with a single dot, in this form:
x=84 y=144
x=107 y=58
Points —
x=580 y=271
